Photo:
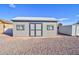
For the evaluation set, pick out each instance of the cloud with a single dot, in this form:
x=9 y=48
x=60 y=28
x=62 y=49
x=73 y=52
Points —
x=12 y=6
x=77 y=15
x=62 y=19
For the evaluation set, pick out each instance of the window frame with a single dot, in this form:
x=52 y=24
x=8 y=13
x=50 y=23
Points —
x=48 y=27
x=20 y=27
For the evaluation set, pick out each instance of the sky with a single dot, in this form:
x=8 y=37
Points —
x=65 y=13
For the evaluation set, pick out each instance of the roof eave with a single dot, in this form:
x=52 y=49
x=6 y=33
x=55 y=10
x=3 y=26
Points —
x=34 y=21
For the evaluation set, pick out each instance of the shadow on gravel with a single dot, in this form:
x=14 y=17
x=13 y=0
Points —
x=63 y=34
x=9 y=32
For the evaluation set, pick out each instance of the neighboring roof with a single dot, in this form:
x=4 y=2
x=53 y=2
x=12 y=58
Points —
x=5 y=21
x=17 y=19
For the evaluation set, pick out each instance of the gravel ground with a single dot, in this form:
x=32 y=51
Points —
x=61 y=45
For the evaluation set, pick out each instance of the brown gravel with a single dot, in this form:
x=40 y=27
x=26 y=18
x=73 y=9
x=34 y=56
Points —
x=61 y=45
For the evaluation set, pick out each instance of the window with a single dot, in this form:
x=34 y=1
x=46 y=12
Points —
x=19 y=27
x=50 y=27
x=38 y=27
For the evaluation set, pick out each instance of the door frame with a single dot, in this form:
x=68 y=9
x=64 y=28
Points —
x=35 y=29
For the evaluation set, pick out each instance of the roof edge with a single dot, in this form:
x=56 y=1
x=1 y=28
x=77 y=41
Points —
x=34 y=20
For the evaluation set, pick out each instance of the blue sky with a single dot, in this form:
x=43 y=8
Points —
x=66 y=14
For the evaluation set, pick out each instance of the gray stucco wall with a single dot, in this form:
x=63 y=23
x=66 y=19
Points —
x=46 y=33
x=49 y=33
x=21 y=33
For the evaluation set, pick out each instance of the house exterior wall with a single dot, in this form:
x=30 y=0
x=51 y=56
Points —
x=77 y=32
x=1 y=28
x=45 y=32
x=49 y=33
x=4 y=26
x=8 y=29
x=65 y=30
x=75 y=29
x=21 y=33
x=8 y=26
